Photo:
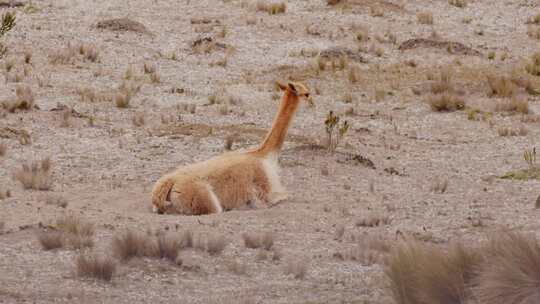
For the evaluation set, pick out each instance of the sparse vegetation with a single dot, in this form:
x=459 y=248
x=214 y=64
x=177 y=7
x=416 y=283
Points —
x=446 y=102
x=215 y=244
x=51 y=240
x=501 y=86
x=374 y=220
x=271 y=8
x=296 y=267
x=24 y=100
x=512 y=131
x=3 y=149
x=56 y=200
x=458 y=3
x=532 y=172
x=439 y=185
x=334 y=130
x=94 y=266
x=258 y=240
x=7 y=23
x=35 y=175
x=425 y=18
x=533 y=67
x=515 y=105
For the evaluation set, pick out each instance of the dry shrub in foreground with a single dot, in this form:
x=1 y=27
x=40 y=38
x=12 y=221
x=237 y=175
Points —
x=258 y=240
x=512 y=271
x=35 y=175
x=420 y=273
x=506 y=270
x=91 y=265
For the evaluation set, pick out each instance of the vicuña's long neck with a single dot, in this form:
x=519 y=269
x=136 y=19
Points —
x=276 y=136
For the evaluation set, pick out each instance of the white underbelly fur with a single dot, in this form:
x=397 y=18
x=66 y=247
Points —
x=271 y=168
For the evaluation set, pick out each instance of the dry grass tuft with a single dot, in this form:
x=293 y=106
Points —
x=149 y=68
x=63 y=56
x=258 y=240
x=501 y=86
x=102 y=268
x=439 y=185
x=237 y=268
x=89 y=52
x=5 y=194
x=71 y=232
x=272 y=8
x=131 y=244
x=24 y=99
x=511 y=131
x=35 y=175
x=215 y=244
x=443 y=84
x=3 y=149
x=51 y=240
x=334 y=2
x=513 y=105
x=511 y=273
x=73 y=225
x=28 y=56
x=374 y=220
x=122 y=100
x=446 y=102
x=458 y=3
x=533 y=67
x=424 y=18
x=296 y=267
x=138 y=119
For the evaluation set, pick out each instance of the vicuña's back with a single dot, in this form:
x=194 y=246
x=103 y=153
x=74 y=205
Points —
x=231 y=180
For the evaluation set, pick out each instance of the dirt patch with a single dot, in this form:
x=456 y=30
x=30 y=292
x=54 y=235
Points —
x=122 y=25
x=451 y=46
x=338 y=52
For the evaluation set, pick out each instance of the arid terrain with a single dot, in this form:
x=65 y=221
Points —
x=442 y=102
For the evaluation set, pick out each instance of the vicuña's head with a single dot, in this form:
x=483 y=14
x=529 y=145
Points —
x=297 y=89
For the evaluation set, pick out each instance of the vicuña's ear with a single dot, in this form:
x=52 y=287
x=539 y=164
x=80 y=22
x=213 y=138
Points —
x=281 y=86
x=291 y=87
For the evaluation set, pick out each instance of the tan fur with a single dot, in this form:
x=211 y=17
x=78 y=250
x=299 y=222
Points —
x=231 y=180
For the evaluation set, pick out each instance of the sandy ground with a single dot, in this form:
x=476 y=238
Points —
x=105 y=170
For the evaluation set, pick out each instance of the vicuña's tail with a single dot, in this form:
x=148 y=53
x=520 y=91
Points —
x=160 y=194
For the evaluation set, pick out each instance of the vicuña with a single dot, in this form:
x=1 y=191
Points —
x=232 y=180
